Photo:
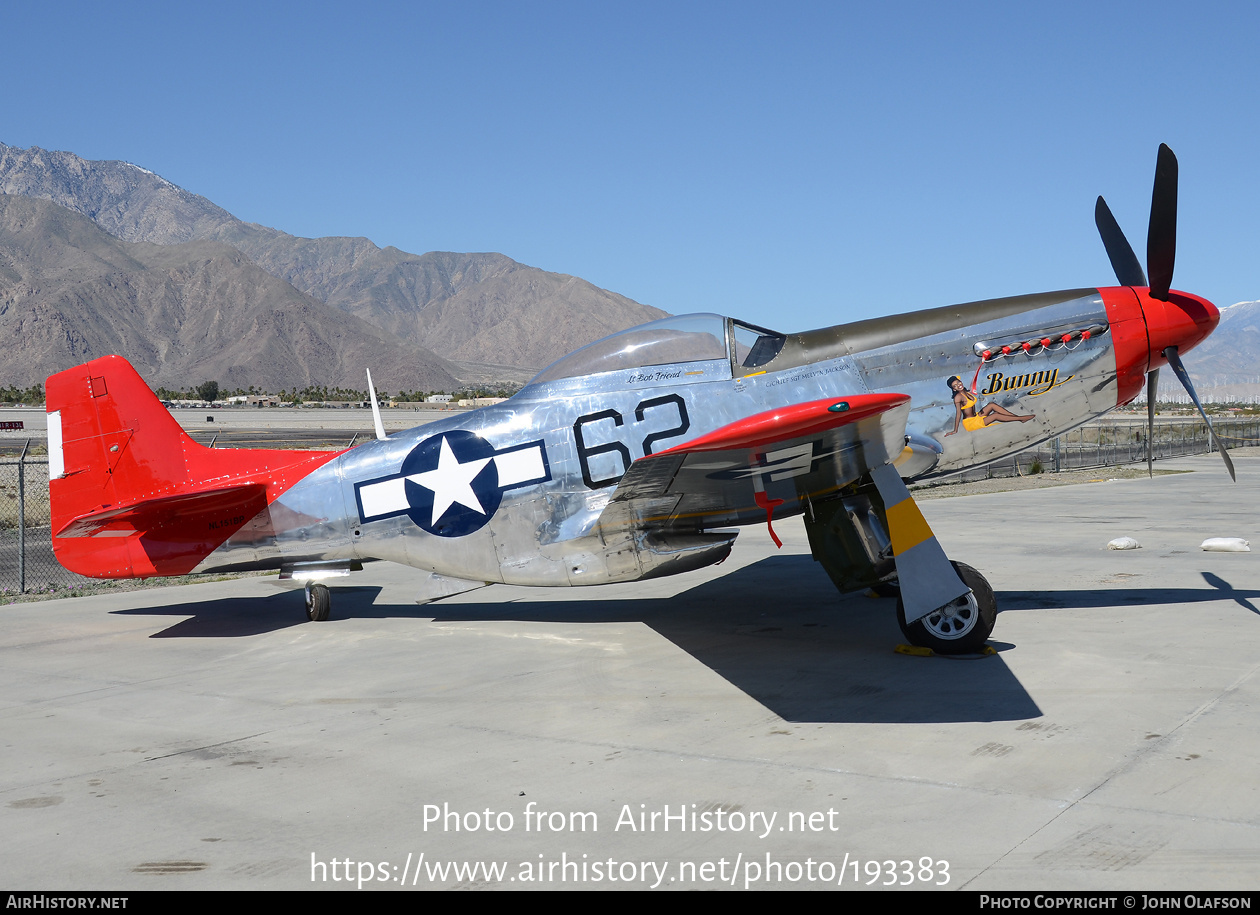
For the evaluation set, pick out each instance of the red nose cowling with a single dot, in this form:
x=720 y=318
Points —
x=1143 y=327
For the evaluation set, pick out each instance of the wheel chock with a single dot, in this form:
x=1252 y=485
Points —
x=915 y=650
x=920 y=652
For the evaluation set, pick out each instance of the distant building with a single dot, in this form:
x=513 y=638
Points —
x=439 y=398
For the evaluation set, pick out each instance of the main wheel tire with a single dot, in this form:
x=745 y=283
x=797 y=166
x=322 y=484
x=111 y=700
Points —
x=318 y=603
x=960 y=627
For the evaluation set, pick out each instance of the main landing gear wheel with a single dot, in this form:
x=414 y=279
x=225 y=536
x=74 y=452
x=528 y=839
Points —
x=318 y=603
x=961 y=626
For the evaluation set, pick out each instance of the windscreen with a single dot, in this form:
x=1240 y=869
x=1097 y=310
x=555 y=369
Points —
x=687 y=338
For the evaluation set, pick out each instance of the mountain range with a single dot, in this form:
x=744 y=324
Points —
x=101 y=257
x=105 y=256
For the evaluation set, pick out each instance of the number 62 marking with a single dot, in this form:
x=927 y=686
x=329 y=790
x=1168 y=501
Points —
x=586 y=452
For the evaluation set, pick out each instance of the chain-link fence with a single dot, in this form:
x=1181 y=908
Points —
x=27 y=563
x=1117 y=442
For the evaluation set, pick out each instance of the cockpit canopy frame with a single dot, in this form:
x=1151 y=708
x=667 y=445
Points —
x=677 y=339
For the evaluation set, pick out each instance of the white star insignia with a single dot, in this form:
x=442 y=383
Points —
x=451 y=482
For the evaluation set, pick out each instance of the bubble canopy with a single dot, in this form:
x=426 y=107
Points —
x=685 y=338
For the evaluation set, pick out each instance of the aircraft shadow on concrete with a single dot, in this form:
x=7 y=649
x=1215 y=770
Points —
x=776 y=630
x=1087 y=599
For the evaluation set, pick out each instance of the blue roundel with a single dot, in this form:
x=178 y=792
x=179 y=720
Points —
x=452 y=483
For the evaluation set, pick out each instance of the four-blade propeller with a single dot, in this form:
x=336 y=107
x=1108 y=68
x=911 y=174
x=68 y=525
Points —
x=1161 y=252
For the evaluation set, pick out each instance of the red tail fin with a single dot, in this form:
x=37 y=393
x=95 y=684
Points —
x=133 y=496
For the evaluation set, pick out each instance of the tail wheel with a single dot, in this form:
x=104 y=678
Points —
x=318 y=603
x=960 y=627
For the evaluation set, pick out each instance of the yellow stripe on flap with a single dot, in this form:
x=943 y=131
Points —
x=906 y=526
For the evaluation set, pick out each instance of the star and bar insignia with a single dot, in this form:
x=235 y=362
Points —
x=451 y=484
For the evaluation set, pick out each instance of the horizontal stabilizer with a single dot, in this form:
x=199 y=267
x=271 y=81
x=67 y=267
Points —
x=147 y=515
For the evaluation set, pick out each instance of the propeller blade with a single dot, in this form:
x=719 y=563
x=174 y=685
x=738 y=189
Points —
x=1174 y=360
x=1161 y=236
x=1123 y=260
x=1152 y=382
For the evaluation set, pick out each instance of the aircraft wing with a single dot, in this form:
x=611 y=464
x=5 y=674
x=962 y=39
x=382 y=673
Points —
x=742 y=472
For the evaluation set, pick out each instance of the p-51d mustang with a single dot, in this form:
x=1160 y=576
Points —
x=631 y=457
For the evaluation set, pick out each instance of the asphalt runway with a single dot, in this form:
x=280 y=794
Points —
x=207 y=736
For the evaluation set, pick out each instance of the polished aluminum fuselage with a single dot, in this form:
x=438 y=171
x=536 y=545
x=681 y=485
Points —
x=583 y=431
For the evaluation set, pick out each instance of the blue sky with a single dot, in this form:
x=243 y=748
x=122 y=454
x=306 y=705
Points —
x=795 y=164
